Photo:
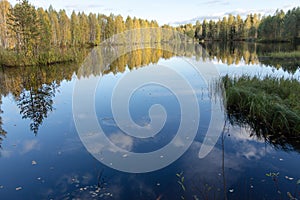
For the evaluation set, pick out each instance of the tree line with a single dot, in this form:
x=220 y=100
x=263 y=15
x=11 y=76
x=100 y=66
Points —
x=26 y=28
x=48 y=34
x=279 y=27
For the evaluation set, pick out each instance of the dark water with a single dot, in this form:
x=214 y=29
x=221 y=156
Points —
x=42 y=156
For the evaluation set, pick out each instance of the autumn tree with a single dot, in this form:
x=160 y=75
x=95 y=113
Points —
x=95 y=32
x=5 y=9
x=65 y=27
x=55 y=28
x=45 y=29
x=23 y=22
x=75 y=30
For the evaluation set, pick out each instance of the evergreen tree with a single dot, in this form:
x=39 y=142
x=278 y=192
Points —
x=23 y=22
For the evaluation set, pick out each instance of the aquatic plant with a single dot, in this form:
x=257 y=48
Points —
x=270 y=106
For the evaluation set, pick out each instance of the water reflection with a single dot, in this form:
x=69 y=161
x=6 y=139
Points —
x=2 y=132
x=34 y=88
x=235 y=53
x=278 y=140
x=68 y=171
x=35 y=104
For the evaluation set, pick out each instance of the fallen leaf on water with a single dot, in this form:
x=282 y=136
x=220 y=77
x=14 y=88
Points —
x=18 y=188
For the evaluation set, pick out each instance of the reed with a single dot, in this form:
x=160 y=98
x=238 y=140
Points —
x=270 y=105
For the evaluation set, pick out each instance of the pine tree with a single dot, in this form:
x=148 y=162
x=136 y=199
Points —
x=24 y=24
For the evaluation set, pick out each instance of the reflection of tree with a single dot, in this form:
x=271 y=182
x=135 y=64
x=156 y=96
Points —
x=2 y=132
x=276 y=139
x=33 y=88
x=251 y=53
x=35 y=104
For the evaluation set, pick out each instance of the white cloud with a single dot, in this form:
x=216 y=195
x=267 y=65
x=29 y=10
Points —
x=29 y=145
x=242 y=12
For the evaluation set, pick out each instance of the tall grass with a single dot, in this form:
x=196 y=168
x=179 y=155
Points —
x=285 y=55
x=270 y=105
x=11 y=58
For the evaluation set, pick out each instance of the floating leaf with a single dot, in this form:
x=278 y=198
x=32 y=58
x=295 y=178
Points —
x=182 y=186
x=290 y=196
x=18 y=188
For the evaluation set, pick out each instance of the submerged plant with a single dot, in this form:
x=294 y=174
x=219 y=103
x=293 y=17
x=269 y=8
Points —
x=181 y=182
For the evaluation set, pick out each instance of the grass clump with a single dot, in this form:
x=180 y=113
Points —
x=285 y=55
x=270 y=105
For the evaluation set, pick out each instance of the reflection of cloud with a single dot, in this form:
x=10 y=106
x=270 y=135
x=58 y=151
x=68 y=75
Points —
x=108 y=121
x=210 y=167
x=249 y=150
x=71 y=145
x=243 y=134
x=121 y=140
x=178 y=142
x=29 y=145
x=5 y=153
x=240 y=149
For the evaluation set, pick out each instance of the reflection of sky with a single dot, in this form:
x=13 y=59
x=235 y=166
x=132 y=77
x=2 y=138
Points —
x=64 y=166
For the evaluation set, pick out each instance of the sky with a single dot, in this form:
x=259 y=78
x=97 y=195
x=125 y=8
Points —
x=167 y=11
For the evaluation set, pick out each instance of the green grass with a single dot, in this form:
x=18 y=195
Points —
x=11 y=58
x=285 y=55
x=271 y=106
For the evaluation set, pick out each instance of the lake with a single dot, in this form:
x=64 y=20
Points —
x=50 y=149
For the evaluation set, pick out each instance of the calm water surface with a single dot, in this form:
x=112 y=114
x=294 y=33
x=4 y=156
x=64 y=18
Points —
x=42 y=156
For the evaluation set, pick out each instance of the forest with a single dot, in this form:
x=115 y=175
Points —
x=30 y=36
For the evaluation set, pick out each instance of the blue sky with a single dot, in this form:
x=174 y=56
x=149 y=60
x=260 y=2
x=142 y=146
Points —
x=168 y=11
